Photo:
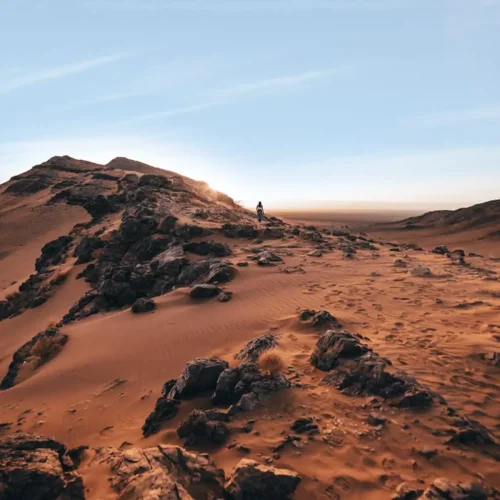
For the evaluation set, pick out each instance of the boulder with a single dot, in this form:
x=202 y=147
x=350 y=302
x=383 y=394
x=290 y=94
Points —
x=162 y=472
x=165 y=409
x=303 y=425
x=267 y=258
x=206 y=271
x=311 y=236
x=442 y=489
x=199 y=375
x=135 y=228
x=198 y=427
x=256 y=347
x=188 y=232
x=143 y=305
x=208 y=248
x=319 y=318
x=251 y=480
x=167 y=224
x=225 y=296
x=84 y=251
x=400 y=263
x=169 y=263
x=421 y=271
x=37 y=468
x=440 y=250
x=204 y=291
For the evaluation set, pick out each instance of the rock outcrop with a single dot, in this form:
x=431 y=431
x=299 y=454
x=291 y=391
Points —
x=37 y=468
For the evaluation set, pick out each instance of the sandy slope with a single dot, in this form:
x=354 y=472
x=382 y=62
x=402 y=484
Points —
x=104 y=383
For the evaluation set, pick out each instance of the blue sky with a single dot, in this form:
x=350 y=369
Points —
x=293 y=102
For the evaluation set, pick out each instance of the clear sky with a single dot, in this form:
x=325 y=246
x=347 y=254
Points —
x=291 y=102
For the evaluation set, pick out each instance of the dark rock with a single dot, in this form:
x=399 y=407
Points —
x=143 y=305
x=103 y=176
x=37 y=468
x=440 y=250
x=40 y=349
x=53 y=252
x=220 y=273
x=311 y=236
x=475 y=435
x=302 y=425
x=242 y=264
x=250 y=480
x=199 y=375
x=225 y=296
x=406 y=491
x=319 y=318
x=400 y=263
x=417 y=399
x=375 y=419
x=162 y=472
x=29 y=185
x=135 y=228
x=188 y=232
x=204 y=291
x=256 y=347
x=167 y=224
x=272 y=233
x=442 y=489
x=267 y=258
x=246 y=386
x=84 y=251
x=165 y=409
x=169 y=263
x=208 y=248
x=239 y=231
x=198 y=426
x=155 y=181
x=206 y=271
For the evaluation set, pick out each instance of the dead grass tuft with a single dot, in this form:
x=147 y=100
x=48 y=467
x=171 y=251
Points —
x=272 y=363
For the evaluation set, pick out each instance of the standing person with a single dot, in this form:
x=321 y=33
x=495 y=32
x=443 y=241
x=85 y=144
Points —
x=260 y=211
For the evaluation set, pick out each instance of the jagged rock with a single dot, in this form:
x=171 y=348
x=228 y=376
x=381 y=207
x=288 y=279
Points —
x=165 y=409
x=162 y=472
x=206 y=271
x=250 y=480
x=53 y=252
x=302 y=425
x=199 y=375
x=167 y=224
x=311 y=236
x=208 y=248
x=135 y=228
x=220 y=272
x=188 y=232
x=440 y=250
x=407 y=491
x=474 y=434
x=155 y=181
x=442 y=489
x=335 y=345
x=39 y=350
x=272 y=233
x=256 y=347
x=143 y=305
x=199 y=426
x=246 y=386
x=357 y=370
x=118 y=293
x=169 y=263
x=319 y=318
x=103 y=176
x=239 y=231
x=37 y=468
x=205 y=291
x=267 y=258
x=84 y=251
x=400 y=263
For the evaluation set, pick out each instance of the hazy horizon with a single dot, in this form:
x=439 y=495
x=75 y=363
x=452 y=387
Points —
x=289 y=102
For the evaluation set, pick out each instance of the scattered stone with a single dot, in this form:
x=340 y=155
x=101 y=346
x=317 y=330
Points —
x=204 y=291
x=440 y=250
x=400 y=263
x=375 y=419
x=303 y=425
x=252 y=480
x=242 y=264
x=423 y=272
x=267 y=258
x=143 y=305
x=428 y=453
x=407 y=491
x=315 y=253
x=442 y=489
x=243 y=449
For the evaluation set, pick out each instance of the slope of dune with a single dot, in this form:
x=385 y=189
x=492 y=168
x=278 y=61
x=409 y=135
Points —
x=384 y=381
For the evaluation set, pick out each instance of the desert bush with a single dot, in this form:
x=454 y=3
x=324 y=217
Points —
x=272 y=363
x=48 y=347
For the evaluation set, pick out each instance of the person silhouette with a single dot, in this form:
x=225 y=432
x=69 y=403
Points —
x=260 y=211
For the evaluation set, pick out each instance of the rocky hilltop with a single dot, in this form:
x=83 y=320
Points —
x=177 y=349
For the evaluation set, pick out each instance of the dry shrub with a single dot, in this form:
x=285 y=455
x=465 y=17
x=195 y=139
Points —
x=47 y=348
x=272 y=363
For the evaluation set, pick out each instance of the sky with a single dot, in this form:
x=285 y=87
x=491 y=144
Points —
x=295 y=103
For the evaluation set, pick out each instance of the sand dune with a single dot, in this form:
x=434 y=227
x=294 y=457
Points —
x=441 y=328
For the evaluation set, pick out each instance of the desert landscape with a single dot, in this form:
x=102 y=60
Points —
x=157 y=342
